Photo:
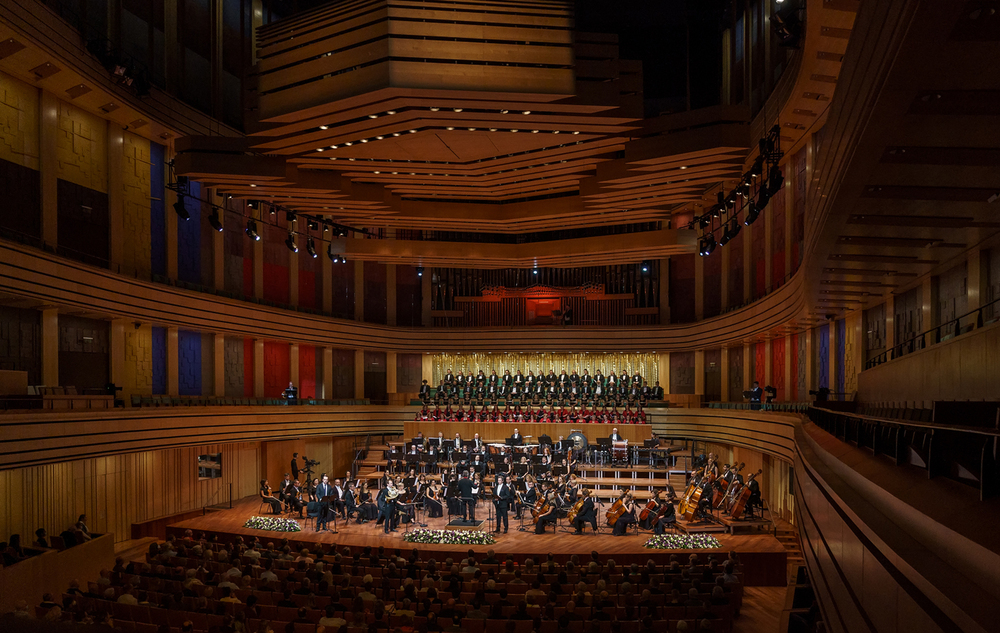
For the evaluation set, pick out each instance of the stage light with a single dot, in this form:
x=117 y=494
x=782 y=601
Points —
x=181 y=210
x=763 y=197
x=726 y=236
x=251 y=231
x=758 y=166
x=534 y=271
x=311 y=248
x=645 y=267
x=707 y=245
x=420 y=271
x=705 y=221
x=752 y=212
x=215 y=220
x=734 y=229
x=775 y=180
x=290 y=243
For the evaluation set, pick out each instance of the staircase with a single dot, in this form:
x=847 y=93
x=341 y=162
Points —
x=788 y=536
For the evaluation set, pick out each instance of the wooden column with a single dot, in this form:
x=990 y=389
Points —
x=390 y=294
x=788 y=368
x=391 y=378
x=699 y=288
x=327 y=373
x=359 y=374
x=832 y=356
x=425 y=302
x=664 y=295
x=173 y=366
x=219 y=250
x=928 y=305
x=116 y=196
x=724 y=372
x=747 y=365
x=258 y=368
x=789 y=193
x=326 y=275
x=170 y=226
x=427 y=370
x=768 y=364
x=48 y=130
x=258 y=263
x=974 y=280
x=810 y=362
x=359 y=290
x=116 y=349
x=663 y=360
x=699 y=371
x=748 y=268
x=293 y=270
x=724 y=279
x=219 y=367
x=293 y=363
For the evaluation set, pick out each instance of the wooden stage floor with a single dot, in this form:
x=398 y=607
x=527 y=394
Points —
x=762 y=554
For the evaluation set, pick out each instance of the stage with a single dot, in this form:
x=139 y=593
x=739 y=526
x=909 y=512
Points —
x=763 y=556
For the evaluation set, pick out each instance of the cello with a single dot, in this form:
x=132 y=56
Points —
x=651 y=506
x=541 y=508
x=617 y=510
x=575 y=510
x=740 y=501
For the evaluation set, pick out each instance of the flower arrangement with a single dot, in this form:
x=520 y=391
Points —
x=272 y=524
x=449 y=537
x=683 y=541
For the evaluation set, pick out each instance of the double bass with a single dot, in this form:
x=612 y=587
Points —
x=689 y=492
x=725 y=500
x=692 y=503
x=740 y=500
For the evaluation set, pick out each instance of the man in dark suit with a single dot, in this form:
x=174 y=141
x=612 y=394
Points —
x=295 y=466
x=468 y=502
x=517 y=437
x=323 y=490
x=587 y=514
x=657 y=391
x=615 y=437
x=425 y=392
x=504 y=499
x=756 y=394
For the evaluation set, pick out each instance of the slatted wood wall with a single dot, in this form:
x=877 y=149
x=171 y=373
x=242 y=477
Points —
x=119 y=490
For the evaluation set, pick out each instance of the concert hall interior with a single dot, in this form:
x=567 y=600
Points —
x=499 y=316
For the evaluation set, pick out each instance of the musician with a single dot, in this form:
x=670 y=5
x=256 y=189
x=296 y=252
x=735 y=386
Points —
x=507 y=380
x=467 y=490
x=657 y=503
x=528 y=497
x=265 y=495
x=550 y=508
x=711 y=467
x=425 y=392
x=708 y=489
x=587 y=513
x=367 y=510
x=517 y=437
x=341 y=502
x=449 y=378
x=295 y=466
x=615 y=437
x=387 y=507
x=477 y=465
x=293 y=497
x=504 y=497
x=612 y=383
x=666 y=517
x=646 y=392
x=323 y=507
x=477 y=443
x=432 y=501
x=285 y=483
x=563 y=378
x=756 y=393
x=628 y=517
x=348 y=498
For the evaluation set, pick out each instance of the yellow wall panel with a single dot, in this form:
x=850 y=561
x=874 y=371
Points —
x=135 y=218
x=82 y=148
x=138 y=374
x=647 y=364
x=18 y=122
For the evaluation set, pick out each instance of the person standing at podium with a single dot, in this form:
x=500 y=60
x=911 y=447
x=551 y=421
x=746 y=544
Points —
x=466 y=488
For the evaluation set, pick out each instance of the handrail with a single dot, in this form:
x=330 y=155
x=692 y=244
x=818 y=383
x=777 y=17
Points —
x=920 y=340
x=910 y=424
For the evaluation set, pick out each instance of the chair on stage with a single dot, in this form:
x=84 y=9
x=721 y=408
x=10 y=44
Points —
x=313 y=509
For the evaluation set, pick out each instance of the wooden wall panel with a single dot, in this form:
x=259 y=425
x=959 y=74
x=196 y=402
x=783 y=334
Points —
x=118 y=490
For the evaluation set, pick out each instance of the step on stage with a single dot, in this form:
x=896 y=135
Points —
x=763 y=556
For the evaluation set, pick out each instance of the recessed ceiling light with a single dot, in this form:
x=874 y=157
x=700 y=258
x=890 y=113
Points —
x=372 y=116
x=333 y=147
x=435 y=109
x=493 y=129
x=378 y=138
x=526 y=112
x=513 y=130
x=413 y=131
x=364 y=140
x=391 y=112
x=395 y=133
x=504 y=111
x=577 y=132
x=323 y=127
x=333 y=158
x=457 y=109
x=252 y=185
x=394 y=173
x=684 y=167
x=555 y=131
x=534 y=131
x=319 y=149
x=449 y=128
x=378 y=172
x=472 y=129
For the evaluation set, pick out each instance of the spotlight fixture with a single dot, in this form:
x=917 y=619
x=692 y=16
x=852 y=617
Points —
x=758 y=166
x=329 y=253
x=763 y=197
x=290 y=243
x=752 y=211
x=420 y=271
x=215 y=221
x=707 y=245
x=180 y=209
x=534 y=271
x=644 y=267
x=734 y=229
x=775 y=180
x=251 y=230
x=311 y=248
x=705 y=221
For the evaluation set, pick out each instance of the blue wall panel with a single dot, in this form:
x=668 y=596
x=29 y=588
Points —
x=841 y=355
x=159 y=361
x=157 y=224
x=824 y=355
x=189 y=238
x=189 y=362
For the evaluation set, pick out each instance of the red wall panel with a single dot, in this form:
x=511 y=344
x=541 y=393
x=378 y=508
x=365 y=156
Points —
x=248 y=368
x=307 y=289
x=778 y=368
x=307 y=371
x=277 y=370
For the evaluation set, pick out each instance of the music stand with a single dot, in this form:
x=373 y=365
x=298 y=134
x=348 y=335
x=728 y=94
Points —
x=329 y=501
x=543 y=440
x=604 y=446
x=419 y=441
x=519 y=469
x=433 y=441
x=558 y=471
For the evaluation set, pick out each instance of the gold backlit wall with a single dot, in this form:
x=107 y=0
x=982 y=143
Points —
x=542 y=363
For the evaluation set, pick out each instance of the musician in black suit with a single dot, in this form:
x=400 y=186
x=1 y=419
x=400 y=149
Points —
x=657 y=391
x=323 y=490
x=387 y=508
x=503 y=501
x=425 y=392
x=293 y=496
x=615 y=437
x=517 y=437
x=563 y=446
x=668 y=518
x=587 y=513
x=285 y=483
x=339 y=505
x=756 y=394
x=295 y=466
x=350 y=502
x=468 y=501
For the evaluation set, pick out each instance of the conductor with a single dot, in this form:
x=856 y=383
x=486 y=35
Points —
x=466 y=488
